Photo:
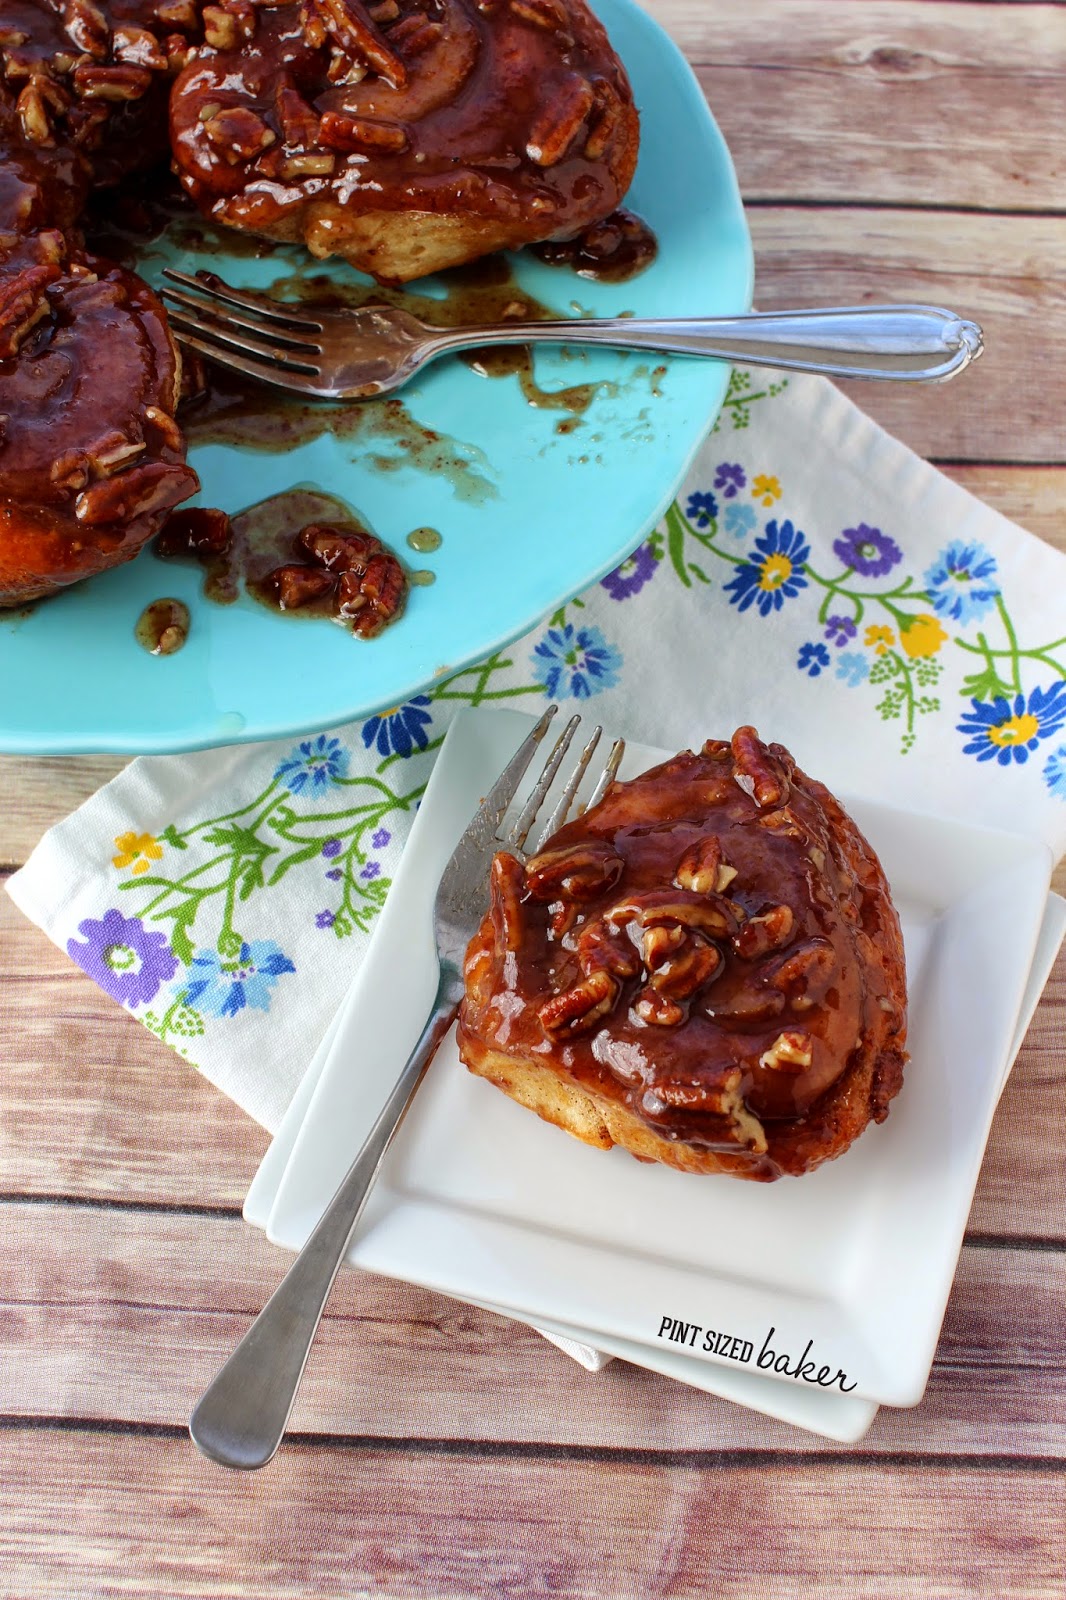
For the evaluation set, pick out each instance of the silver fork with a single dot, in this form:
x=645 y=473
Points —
x=241 y=1419
x=352 y=354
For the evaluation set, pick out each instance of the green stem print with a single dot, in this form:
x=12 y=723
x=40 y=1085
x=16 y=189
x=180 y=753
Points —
x=741 y=396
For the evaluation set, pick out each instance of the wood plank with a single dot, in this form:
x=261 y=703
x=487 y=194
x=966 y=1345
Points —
x=1003 y=271
x=933 y=104
x=121 y=1515
x=95 y=1106
x=116 y=1315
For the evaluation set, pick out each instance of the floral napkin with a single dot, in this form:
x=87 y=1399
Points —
x=814 y=578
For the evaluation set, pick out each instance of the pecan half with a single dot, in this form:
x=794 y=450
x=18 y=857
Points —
x=343 y=133
x=220 y=28
x=761 y=935
x=756 y=771
x=299 y=121
x=804 y=975
x=116 y=83
x=32 y=111
x=694 y=965
x=783 y=821
x=658 y=1010
x=575 y=872
x=790 y=1052
x=702 y=870
x=340 y=552
x=166 y=426
x=604 y=122
x=111 y=455
x=708 y=914
x=183 y=14
x=86 y=25
x=135 y=492
x=601 y=948
x=578 y=1010
x=658 y=945
x=139 y=48
x=375 y=597
x=22 y=305
x=294 y=586
x=559 y=124
x=238 y=134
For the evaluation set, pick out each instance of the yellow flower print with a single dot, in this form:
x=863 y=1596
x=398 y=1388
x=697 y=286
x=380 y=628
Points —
x=923 y=638
x=138 y=850
x=1017 y=730
x=766 y=489
x=879 y=638
x=775 y=571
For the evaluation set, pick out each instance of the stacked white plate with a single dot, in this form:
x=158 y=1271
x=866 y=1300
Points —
x=814 y=1300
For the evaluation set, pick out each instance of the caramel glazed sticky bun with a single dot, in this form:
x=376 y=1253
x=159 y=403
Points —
x=404 y=135
x=706 y=969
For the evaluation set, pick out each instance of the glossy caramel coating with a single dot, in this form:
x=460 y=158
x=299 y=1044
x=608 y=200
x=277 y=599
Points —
x=91 y=459
x=408 y=135
x=706 y=968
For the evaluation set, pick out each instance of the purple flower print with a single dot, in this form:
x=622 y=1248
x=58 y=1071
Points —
x=632 y=575
x=381 y=839
x=371 y=871
x=325 y=919
x=331 y=848
x=335 y=873
x=867 y=551
x=729 y=478
x=120 y=955
x=840 y=631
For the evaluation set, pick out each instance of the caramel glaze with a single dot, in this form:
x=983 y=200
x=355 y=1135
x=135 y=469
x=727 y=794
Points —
x=505 y=122
x=91 y=457
x=790 y=844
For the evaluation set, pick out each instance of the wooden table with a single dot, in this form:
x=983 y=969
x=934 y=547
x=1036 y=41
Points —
x=888 y=149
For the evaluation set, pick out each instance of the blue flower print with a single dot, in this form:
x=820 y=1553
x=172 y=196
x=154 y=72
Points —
x=1055 y=772
x=840 y=631
x=313 y=765
x=120 y=955
x=852 y=668
x=729 y=478
x=773 y=572
x=400 y=731
x=812 y=659
x=961 y=582
x=575 y=663
x=632 y=575
x=222 y=989
x=702 y=509
x=740 y=519
x=1007 y=731
x=867 y=551
x=381 y=839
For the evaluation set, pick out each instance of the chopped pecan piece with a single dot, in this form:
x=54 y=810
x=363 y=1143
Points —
x=702 y=870
x=220 y=28
x=339 y=132
x=761 y=935
x=32 y=111
x=306 y=166
x=348 y=23
x=576 y=872
x=578 y=1010
x=550 y=14
x=294 y=586
x=756 y=771
x=183 y=14
x=70 y=470
x=238 y=134
x=659 y=944
x=783 y=821
x=790 y=1052
x=111 y=455
x=165 y=425
x=139 y=48
x=555 y=130
x=299 y=121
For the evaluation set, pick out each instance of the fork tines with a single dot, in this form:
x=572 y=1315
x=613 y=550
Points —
x=248 y=332
x=517 y=835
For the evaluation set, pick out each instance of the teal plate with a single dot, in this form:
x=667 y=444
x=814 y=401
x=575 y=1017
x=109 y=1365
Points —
x=529 y=516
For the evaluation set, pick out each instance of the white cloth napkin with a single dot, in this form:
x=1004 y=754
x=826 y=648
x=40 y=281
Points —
x=814 y=578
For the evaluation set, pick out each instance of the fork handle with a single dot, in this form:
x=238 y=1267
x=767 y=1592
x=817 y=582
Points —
x=914 y=342
x=241 y=1418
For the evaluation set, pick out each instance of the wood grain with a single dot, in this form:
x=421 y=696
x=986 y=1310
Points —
x=900 y=104
x=1003 y=271
x=100 y=1310
x=356 y=1520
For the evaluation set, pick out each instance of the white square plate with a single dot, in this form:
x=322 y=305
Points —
x=848 y=1268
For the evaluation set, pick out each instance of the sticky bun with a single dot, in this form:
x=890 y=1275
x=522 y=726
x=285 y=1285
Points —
x=706 y=969
x=406 y=135
x=91 y=459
